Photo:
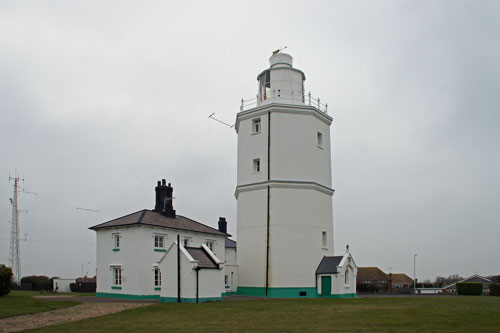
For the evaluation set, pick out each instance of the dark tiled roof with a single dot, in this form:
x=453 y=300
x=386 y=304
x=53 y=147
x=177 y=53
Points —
x=152 y=218
x=230 y=243
x=204 y=260
x=328 y=265
x=371 y=274
x=401 y=278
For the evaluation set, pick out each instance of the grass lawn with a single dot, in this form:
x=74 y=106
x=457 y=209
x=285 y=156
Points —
x=21 y=302
x=428 y=313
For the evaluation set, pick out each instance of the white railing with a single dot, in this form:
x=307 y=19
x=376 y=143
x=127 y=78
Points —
x=285 y=98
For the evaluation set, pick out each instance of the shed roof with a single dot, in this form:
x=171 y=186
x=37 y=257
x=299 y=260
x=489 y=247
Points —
x=371 y=274
x=204 y=260
x=328 y=265
x=230 y=243
x=152 y=218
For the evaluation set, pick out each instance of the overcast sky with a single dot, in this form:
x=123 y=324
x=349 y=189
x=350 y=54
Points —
x=99 y=100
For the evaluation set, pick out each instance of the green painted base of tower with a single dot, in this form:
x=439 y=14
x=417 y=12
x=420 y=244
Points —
x=306 y=292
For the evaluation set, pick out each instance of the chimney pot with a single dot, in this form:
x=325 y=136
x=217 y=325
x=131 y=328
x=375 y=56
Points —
x=159 y=183
x=223 y=225
x=163 y=181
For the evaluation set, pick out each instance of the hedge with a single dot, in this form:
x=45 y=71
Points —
x=494 y=289
x=38 y=282
x=469 y=288
x=5 y=280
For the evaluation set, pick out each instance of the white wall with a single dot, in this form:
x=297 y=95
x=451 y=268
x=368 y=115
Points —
x=62 y=285
x=231 y=270
x=138 y=258
x=211 y=281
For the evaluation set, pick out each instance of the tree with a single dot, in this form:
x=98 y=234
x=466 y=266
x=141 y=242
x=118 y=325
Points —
x=38 y=282
x=5 y=280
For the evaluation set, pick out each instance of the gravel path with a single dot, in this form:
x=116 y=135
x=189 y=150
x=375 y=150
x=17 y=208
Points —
x=74 y=313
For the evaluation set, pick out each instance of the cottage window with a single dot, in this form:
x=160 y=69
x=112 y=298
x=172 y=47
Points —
x=116 y=241
x=117 y=276
x=256 y=165
x=210 y=244
x=157 y=277
x=225 y=279
x=159 y=241
x=346 y=277
x=186 y=241
x=256 y=125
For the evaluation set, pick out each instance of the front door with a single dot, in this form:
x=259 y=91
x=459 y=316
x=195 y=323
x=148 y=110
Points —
x=326 y=285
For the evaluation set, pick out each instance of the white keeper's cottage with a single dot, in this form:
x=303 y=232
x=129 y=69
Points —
x=157 y=254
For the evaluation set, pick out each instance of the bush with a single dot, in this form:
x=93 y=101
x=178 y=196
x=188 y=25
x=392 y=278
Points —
x=38 y=282
x=494 y=289
x=5 y=280
x=73 y=287
x=469 y=288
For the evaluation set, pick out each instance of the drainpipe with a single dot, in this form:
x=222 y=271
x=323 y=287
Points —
x=197 y=283
x=178 y=269
x=268 y=195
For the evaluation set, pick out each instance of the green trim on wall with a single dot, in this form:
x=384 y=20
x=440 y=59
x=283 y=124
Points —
x=116 y=250
x=228 y=293
x=287 y=292
x=157 y=288
x=227 y=287
x=160 y=250
x=127 y=296
x=189 y=300
x=116 y=287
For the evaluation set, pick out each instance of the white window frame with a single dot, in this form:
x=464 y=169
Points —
x=256 y=126
x=210 y=243
x=161 y=239
x=157 y=277
x=188 y=240
x=256 y=165
x=116 y=240
x=117 y=275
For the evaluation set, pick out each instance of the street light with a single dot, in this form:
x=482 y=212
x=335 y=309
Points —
x=414 y=273
x=84 y=264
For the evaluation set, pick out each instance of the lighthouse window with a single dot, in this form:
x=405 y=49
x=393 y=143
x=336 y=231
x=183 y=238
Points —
x=324 y=238
x=256 y=125
x=265 y=86
x=320 y=139
x=256 y=165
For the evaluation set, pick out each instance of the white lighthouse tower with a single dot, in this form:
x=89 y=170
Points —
x=284 y=186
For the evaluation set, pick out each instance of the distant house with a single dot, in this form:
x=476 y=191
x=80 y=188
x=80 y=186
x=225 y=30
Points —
x=401 y=280
x=86 y=284
x=372 y=279
x=452 y=288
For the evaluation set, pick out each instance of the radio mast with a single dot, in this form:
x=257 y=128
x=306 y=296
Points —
x=15 y=255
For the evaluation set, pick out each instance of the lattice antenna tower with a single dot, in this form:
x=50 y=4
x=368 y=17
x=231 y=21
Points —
x=15 y=254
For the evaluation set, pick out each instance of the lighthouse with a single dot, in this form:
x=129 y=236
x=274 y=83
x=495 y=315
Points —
x=284 y=187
